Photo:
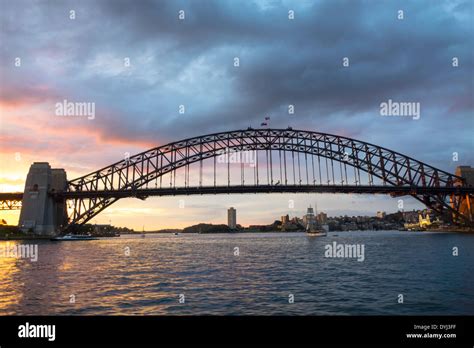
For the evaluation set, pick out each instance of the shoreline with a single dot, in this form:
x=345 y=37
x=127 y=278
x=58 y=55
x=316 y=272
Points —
x=34 y=237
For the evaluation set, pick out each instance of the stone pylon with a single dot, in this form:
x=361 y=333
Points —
x=40 y=213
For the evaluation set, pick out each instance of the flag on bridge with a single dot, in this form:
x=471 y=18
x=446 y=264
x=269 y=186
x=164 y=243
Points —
x=265 y=123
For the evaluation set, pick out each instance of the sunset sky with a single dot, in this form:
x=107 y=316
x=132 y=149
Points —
x=190 y=62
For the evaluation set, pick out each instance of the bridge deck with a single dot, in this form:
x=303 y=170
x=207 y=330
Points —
x=355 y=189
x=176 y=191
x=11 y=196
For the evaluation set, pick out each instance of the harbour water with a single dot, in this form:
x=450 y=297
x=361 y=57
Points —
x=243 y=274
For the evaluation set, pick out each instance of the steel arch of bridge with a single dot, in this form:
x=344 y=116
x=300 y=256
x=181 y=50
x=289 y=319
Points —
x=400 y=175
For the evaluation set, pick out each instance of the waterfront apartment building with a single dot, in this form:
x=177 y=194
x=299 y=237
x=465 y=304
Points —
x=232 y=218
x=285 y=219
x=322 y=218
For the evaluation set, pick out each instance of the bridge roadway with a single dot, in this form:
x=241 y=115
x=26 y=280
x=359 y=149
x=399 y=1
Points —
x=208 y=190
x=355 y=189
x=11 y=196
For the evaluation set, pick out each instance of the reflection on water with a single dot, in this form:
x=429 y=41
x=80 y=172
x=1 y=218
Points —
x=97 y=277
x=9 y=296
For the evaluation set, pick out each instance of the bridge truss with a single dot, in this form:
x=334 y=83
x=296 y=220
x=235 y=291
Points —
x=10 y=201
x=269 y=160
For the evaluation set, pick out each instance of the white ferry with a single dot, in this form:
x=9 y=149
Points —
x=73 y=237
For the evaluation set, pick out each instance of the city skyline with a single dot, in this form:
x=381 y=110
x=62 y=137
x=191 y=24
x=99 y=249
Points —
x=290 y=215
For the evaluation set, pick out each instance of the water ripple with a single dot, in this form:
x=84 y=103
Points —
x=104 y=280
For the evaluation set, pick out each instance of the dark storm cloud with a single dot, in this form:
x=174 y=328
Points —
x=282 y=62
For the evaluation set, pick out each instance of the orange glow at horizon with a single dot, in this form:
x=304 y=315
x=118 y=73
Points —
x=30 y=132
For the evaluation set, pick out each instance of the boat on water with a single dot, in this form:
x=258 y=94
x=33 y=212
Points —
x=73 y=237
x=313 y=227
x=315 y=231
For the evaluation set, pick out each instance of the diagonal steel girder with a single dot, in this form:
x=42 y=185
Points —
x=393 y=168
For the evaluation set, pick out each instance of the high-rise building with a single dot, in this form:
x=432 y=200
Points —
x=381 y=214
x=232 y=218
x=322 y=218
x=285 y=219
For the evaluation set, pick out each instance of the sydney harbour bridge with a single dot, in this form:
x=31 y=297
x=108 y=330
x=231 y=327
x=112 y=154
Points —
x=281 y=161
